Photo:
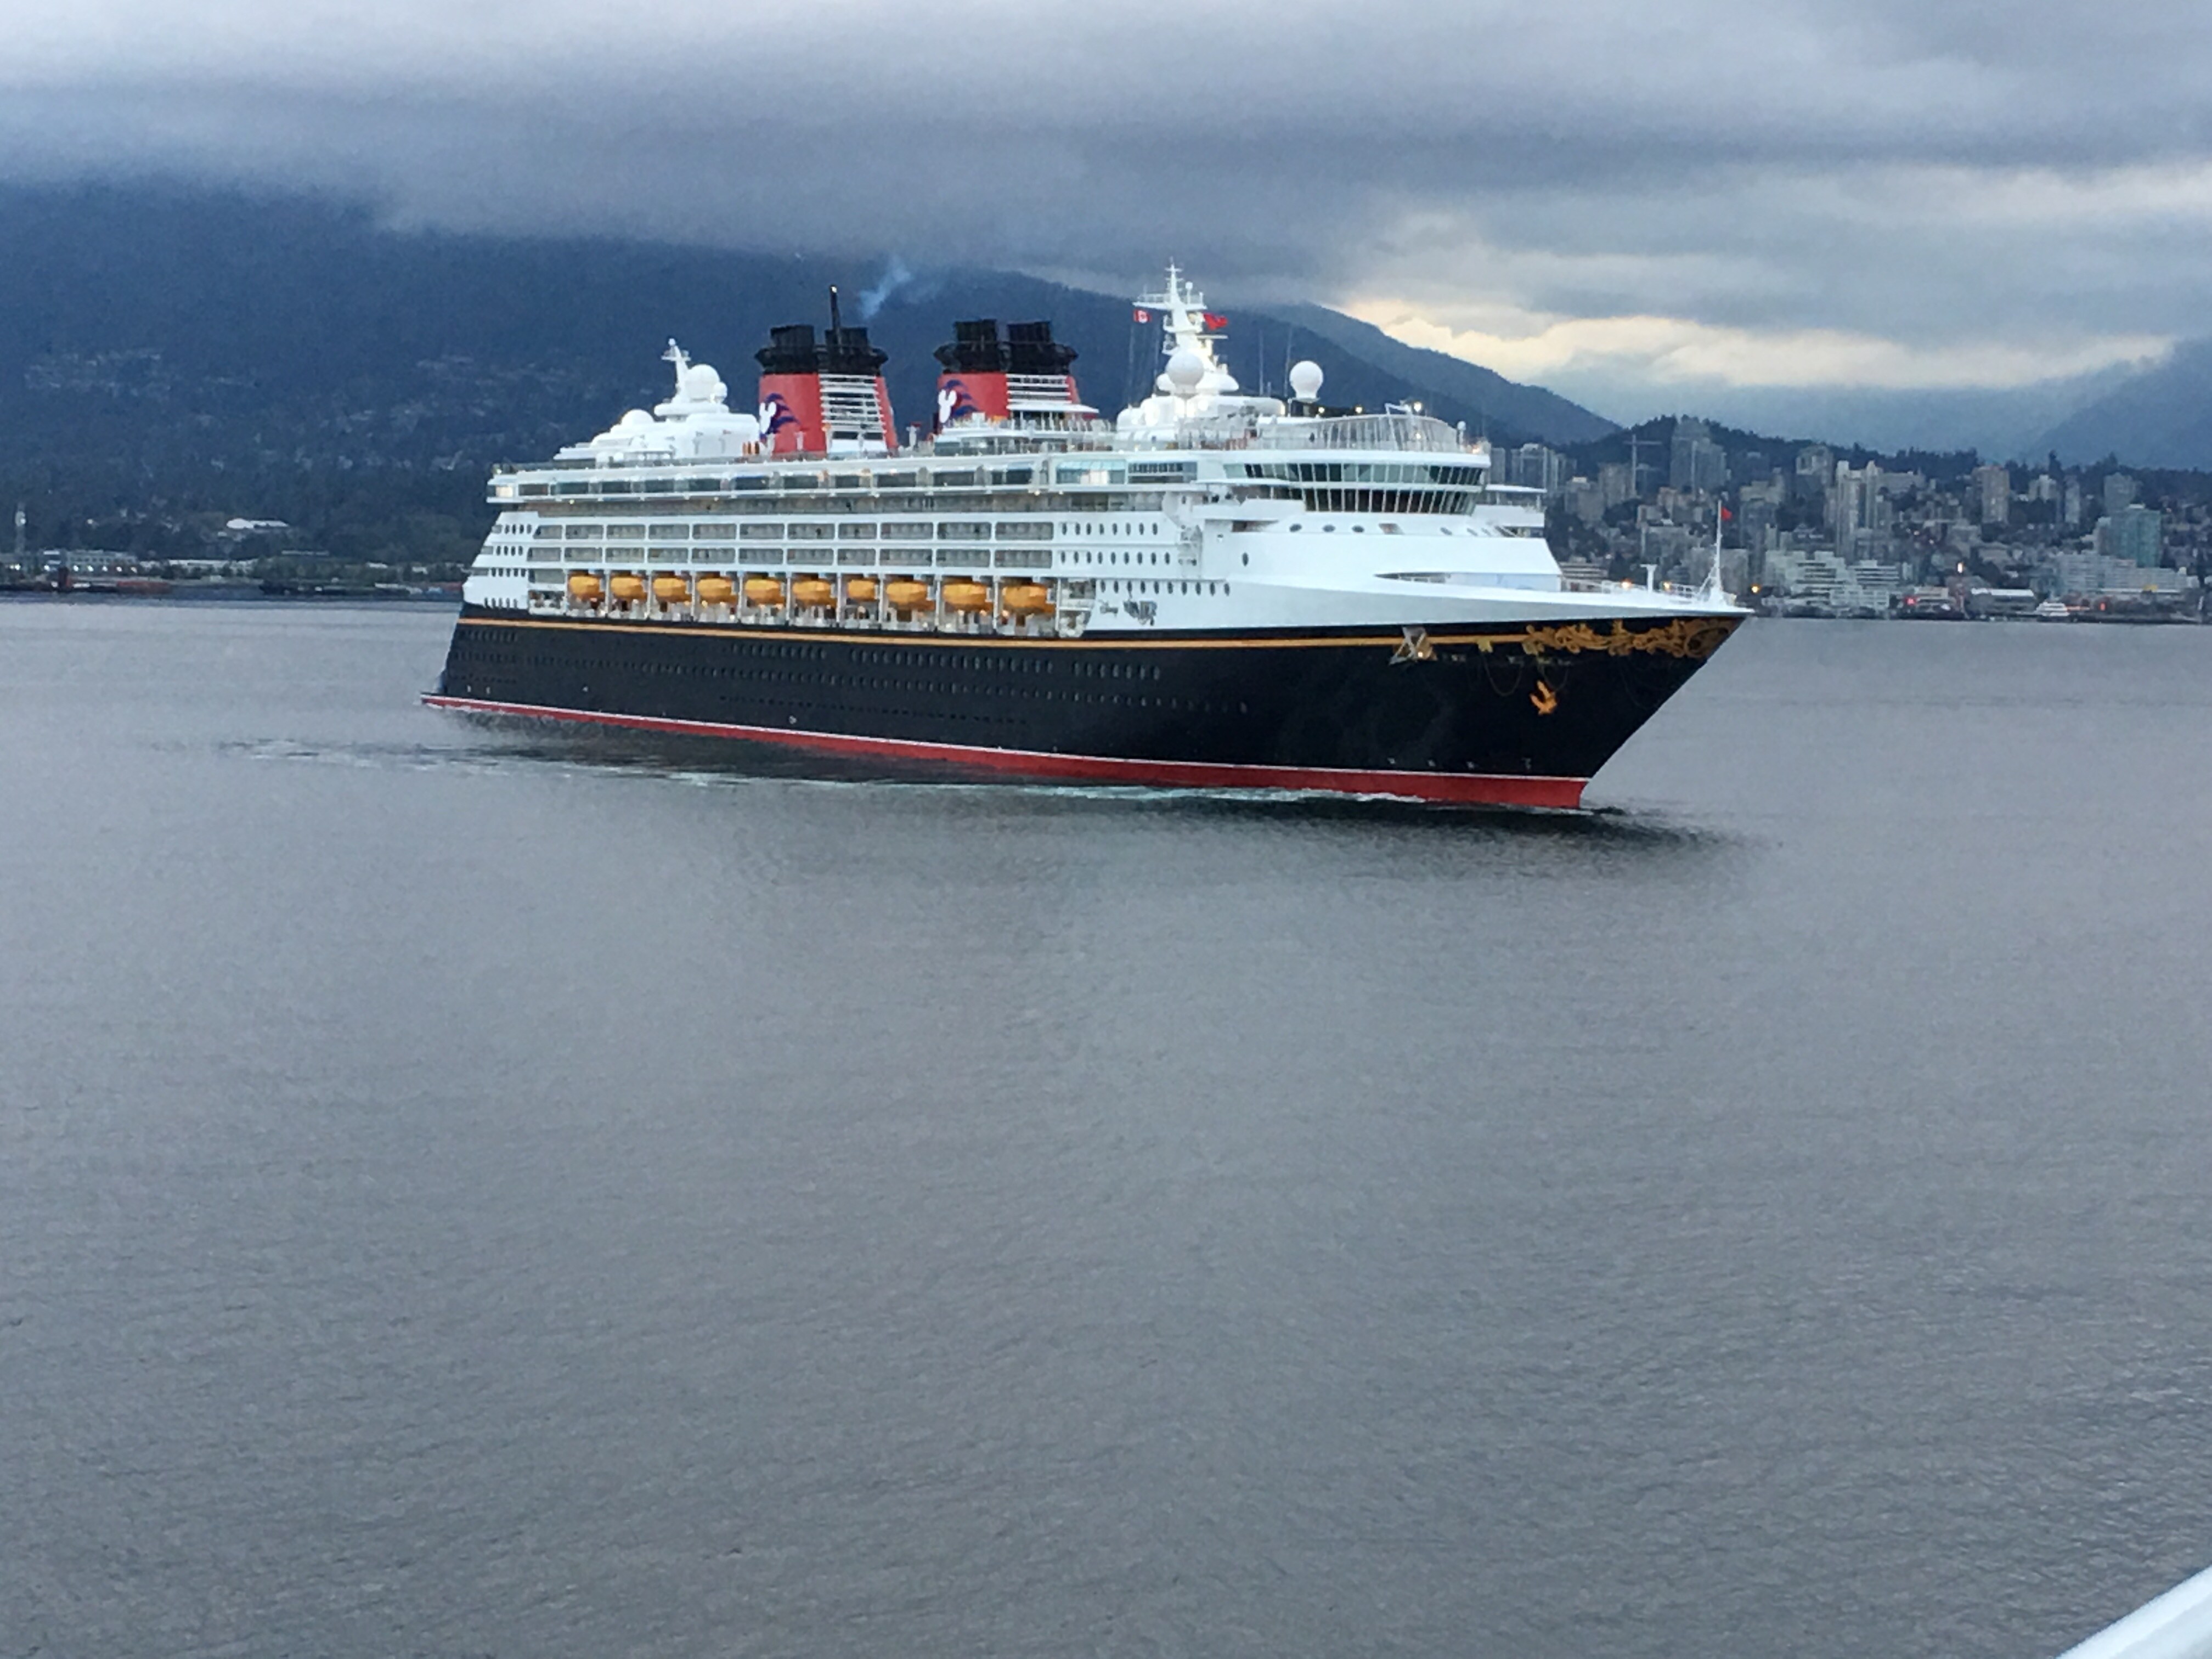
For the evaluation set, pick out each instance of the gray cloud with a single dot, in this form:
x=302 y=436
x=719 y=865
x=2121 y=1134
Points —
x=1923 y=179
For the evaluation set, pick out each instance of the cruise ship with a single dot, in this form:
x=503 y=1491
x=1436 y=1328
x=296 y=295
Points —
x=1213 y=589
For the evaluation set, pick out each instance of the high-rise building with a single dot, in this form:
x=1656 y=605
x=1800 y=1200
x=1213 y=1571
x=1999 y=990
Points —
x=2134 y=535
x=1754 y=527
x=2072 y=510
x=1816 y=471
x=1696 y=463
x=1614 y=485
x=1536 y=467
x=1993 y=484
x=2119 y=493
x=1851 y=500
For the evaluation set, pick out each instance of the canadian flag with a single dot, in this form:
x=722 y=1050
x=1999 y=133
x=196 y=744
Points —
x=1144 y=316
x=1215 y=321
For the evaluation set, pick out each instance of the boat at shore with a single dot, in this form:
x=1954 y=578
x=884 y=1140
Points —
x=1213 y=589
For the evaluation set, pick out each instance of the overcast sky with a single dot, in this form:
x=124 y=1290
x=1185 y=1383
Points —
x=1642 y=207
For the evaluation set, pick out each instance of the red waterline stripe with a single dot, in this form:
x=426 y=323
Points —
x=1470 y=788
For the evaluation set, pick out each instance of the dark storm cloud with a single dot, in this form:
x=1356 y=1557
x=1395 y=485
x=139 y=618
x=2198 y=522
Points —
x=1921 y=178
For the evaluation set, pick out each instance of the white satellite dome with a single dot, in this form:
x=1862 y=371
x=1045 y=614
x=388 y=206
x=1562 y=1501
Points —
x=1305 y=380
x=703 y=384
x=1185 y=370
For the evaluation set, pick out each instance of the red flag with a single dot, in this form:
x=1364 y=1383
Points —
x=1726 y=516
x=1144 y=316
x=1215 y=321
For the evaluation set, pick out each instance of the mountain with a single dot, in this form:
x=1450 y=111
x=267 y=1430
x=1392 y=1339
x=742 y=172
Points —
x=2161 y=417
x=1508 y=410
x=170 y=351
x=2007 y=422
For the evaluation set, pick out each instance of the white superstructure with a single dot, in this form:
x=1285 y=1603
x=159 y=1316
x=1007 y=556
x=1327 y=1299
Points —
x=1202 y=508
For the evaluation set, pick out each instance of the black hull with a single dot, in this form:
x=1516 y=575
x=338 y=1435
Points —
x=1509 y=713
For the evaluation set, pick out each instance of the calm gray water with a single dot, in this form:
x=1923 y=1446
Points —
x=466 y=1193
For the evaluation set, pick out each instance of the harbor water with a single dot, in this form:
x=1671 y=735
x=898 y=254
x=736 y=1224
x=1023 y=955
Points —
x=471 y=1191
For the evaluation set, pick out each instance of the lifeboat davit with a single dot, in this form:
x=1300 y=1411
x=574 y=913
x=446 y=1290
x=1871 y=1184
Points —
x=860 y=590
x=907 y=595
x=627 y=586
x=582 y=585
x=1026 y=599
x=764 y=590
x=671 y=590
x=967 y=596
x=814 y=592
x=717 y=590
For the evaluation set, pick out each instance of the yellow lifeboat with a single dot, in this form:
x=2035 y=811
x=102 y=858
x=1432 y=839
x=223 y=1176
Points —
x=907 y=595
x=628 y=584
x=671 y=590
x=967 y=596
x=1026 y=599
x=861 y=590
x=717 y=590
x=583 y=584
x=814 y=592
x=764 y=590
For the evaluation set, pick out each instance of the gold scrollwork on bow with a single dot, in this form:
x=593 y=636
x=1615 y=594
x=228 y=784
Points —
x=1687 y=636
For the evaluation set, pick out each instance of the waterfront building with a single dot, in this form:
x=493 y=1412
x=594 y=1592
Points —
x=2134 y=536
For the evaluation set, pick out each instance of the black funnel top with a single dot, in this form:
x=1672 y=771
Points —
x=847 y=351
x=792 y=350
x=788 y=351
x=1030 y=349
x=975 y=349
